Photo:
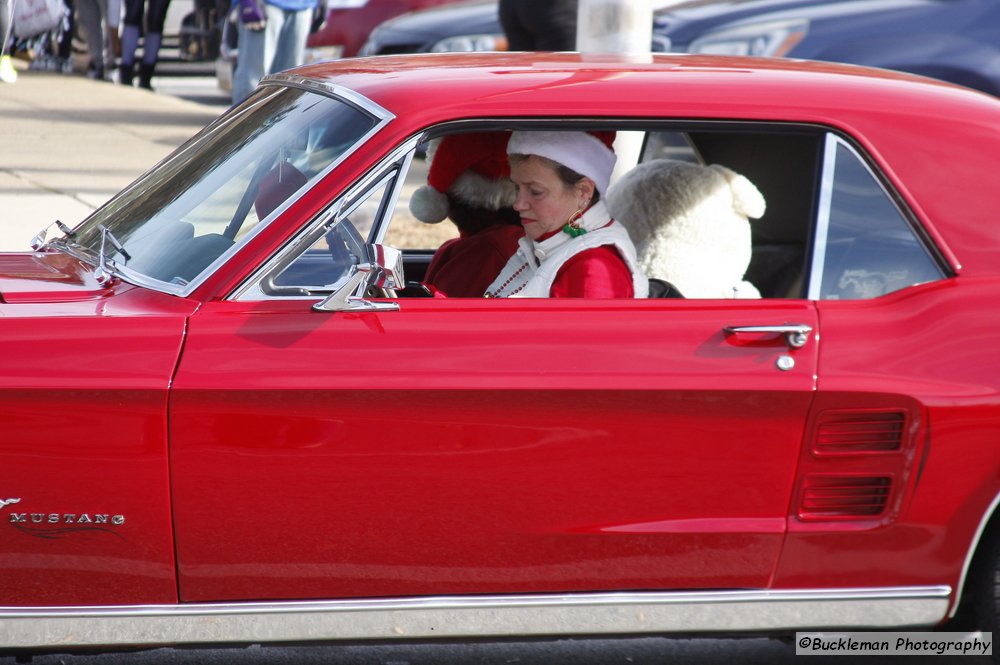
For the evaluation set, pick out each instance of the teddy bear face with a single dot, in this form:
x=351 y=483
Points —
x=690 y=224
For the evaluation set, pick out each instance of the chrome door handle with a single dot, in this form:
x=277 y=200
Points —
x=796 y=334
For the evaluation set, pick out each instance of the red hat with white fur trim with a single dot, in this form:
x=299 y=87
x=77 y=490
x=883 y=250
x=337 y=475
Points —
x=471 y=167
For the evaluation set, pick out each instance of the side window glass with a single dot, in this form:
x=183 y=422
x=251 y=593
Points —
x=865 y=246
x=331 y=252
x=406 y=232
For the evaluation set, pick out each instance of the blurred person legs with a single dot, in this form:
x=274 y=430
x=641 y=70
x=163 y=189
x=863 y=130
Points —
x=92 y=15
x=279 y=46
x=249 y=63
x=7 y=72
x=290 y=38
x=114 y=28
x=155 y=12
x=535 y=25
x=63 y=46
x=131 y=32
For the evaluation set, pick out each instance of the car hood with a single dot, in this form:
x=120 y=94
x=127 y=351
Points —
x=47 y=277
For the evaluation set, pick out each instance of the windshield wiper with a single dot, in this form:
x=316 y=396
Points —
x=39 y=240
x=101 y=273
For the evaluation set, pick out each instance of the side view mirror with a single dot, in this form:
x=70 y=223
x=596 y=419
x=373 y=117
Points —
x=383 y=270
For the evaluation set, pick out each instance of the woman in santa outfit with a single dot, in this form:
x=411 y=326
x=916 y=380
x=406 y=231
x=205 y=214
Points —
x=572 y=248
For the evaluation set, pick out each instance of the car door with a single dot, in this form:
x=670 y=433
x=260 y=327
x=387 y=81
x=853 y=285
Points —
x=458 y=446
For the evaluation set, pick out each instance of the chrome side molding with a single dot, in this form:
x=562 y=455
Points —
x=459 y=617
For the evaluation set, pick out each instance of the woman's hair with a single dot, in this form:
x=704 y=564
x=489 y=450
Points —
x=568 y=176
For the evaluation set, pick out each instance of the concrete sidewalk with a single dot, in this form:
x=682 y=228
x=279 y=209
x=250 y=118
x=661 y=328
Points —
x=68 y=144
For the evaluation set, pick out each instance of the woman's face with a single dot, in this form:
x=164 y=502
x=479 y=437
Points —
x=544 y=202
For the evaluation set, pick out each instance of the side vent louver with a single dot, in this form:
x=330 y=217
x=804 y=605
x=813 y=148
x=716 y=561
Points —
x=841 y=433
x=843 y=497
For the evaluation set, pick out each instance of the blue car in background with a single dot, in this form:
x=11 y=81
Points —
x=953 y=40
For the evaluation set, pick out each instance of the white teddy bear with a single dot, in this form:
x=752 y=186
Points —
x=690 y=225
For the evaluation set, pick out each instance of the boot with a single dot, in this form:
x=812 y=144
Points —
x=116 y=44
x=146 y=75
x=126 y=72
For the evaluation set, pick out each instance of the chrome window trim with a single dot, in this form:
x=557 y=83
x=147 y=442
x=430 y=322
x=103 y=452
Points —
x=459 y=617
x=399 y=160
x=330 y=90
x=823 y=216
x=382 y=225
x=146 y=282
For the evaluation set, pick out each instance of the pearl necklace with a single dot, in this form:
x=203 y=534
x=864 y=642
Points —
x=496 y=292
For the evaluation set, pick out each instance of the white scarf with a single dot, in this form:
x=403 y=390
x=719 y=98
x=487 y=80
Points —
x=530 y=271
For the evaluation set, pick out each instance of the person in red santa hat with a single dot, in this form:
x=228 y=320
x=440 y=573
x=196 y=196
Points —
x=572 y=247
x=469 y=182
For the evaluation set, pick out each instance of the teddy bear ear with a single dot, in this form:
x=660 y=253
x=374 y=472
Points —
x=747 y=199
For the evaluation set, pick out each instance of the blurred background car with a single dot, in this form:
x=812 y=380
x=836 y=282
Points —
x=347 y=26
x=952 y=40
x=471 y=25
x=349 y=22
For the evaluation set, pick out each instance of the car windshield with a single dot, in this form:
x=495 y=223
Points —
x=179 y=218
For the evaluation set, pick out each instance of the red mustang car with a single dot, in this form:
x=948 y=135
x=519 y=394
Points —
x=226 y=420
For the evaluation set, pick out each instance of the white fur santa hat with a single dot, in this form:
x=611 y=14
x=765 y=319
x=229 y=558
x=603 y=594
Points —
x=588 y=153
x=472 y=168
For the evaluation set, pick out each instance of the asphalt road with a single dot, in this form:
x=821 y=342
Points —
x=632 y=651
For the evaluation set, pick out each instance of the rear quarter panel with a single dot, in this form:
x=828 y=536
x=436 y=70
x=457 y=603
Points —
x=934 y=344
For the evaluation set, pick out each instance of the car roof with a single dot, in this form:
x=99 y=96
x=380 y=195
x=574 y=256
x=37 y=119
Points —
x=511 y=84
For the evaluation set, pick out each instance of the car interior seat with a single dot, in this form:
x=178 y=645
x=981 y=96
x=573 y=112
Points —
x=784 y=167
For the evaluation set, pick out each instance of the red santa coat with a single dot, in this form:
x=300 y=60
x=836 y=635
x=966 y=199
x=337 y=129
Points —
x=465 y=266
x=595 y=273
